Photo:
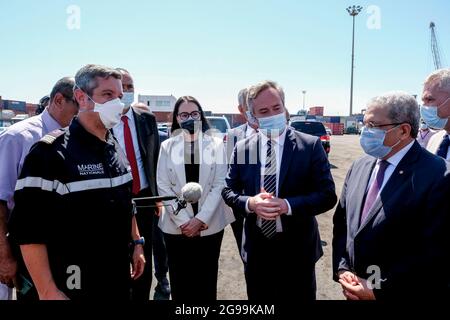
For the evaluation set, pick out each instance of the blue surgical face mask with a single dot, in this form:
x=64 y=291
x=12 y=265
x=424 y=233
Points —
x=273 y=125
x=429 y=114
x=127 y=99
x=372 y=142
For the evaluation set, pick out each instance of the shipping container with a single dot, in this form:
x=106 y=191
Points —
x=335 y=119
x=19 y=106
x=31 y=108
x=316 y=111
x=336 y=128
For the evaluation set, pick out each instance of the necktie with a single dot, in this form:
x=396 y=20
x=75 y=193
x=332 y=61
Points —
x=374 y=189
x=129 y=148
x=443 y=147
x=269 y=227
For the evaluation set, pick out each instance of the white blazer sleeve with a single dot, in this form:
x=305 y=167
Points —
x=214 y=194
x=165 y=187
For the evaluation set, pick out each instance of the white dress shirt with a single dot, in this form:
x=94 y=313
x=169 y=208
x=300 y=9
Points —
x=393 y=163
x=250 y=131
x=277 y=147
x=119 y=134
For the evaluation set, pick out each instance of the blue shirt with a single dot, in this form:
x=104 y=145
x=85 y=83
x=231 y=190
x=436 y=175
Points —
x=15 y=143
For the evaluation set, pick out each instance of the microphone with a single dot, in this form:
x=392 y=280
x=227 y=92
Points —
x=190 y=193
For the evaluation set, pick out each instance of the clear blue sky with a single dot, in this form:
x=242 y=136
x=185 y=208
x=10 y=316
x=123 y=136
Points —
x=210 y=49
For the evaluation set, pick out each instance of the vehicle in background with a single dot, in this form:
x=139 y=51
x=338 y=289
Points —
x=219 y=127
x=328 y=130
x=164 y=127
x=352 y=130
x=313 y=128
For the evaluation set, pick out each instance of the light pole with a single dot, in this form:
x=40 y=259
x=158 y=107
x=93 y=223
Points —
x=353 y=11
x=304 y=93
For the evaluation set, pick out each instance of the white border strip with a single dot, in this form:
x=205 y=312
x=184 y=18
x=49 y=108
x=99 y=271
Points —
x=62 y=189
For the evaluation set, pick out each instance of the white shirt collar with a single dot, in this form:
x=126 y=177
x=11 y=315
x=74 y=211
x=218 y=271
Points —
x=396 y=158
x=129 y=113
x=278 y=140
x=49 y=122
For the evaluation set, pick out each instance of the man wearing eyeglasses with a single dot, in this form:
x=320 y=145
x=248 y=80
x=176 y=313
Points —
x=15 y=144
x=391 y=222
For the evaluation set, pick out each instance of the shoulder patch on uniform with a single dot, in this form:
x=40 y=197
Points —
x=49 y=138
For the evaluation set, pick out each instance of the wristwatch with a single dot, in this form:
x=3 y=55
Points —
x=140 y=241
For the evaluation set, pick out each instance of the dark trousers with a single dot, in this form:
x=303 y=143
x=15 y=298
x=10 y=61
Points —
x=274 y=271
x=140 y=288
x=237 y=226
x=159 y=252
x=193 y=266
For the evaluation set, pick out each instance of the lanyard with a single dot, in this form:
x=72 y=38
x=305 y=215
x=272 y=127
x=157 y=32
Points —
x=423 y=137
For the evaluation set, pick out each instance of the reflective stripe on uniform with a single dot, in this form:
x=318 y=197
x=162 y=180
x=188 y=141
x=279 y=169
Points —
x=99 y=183
x=62 y=189
x=37 y=182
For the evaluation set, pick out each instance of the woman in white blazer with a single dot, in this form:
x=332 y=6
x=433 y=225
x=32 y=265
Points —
x=194 y=236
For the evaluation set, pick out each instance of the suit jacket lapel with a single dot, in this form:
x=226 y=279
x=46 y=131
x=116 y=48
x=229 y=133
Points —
x=178 y=153
x=398 y=178
x=288 y=150
x=141 y=133
x=206 y=152
x=360 y=194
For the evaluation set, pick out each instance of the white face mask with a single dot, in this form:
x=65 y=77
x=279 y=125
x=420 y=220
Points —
x=110 y=112
x=128 y=98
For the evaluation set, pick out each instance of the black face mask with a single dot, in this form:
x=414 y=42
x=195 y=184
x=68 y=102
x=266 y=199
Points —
x=188 y=125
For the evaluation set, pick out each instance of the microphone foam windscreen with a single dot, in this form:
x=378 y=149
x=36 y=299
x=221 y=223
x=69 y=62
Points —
x=192 y=192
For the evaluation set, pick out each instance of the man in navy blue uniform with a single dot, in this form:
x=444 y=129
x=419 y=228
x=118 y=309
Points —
x=73 y=217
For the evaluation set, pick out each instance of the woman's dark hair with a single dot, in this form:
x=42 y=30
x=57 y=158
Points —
x=176 y=108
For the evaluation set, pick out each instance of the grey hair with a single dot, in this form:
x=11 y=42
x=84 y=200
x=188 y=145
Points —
x=441 y=77
x=242 y=98
x=123 y=71
x=85 y=79
x=256 y=89
x=63 y=86
x=402 y=108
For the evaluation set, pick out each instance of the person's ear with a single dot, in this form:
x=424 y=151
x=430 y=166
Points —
x=81 y=98
x=406 y=130
x=59 y=100
x=444 y=109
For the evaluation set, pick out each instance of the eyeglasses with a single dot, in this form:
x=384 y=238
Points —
x=185 y=115
x=371 y=125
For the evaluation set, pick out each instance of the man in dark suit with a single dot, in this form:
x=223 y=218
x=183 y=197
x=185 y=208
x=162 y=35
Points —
x=162 y=289
x=245 y=130
x=279 y=180
x=390 y=238
x=138 y=136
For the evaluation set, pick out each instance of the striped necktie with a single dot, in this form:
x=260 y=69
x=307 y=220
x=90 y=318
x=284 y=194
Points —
x=269 y=227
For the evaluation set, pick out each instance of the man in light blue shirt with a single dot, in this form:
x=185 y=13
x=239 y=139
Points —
x=15 y=143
